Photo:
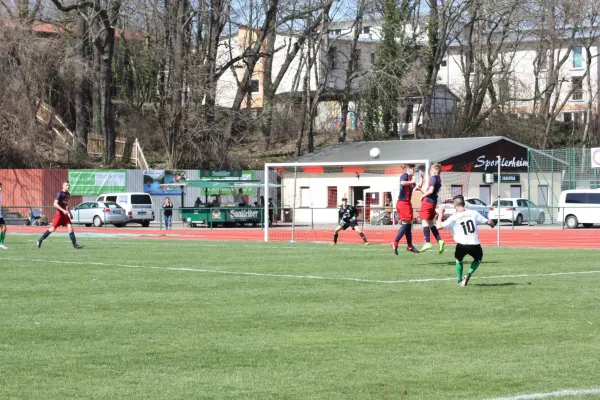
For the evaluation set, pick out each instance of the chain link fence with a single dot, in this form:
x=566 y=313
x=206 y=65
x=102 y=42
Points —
x=552 y=171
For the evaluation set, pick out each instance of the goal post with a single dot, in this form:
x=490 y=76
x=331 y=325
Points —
x=308 y=194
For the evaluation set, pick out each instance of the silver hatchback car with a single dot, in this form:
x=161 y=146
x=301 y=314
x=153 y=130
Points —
x=98 y=213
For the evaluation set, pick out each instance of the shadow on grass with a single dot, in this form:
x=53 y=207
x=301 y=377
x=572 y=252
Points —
x=466 y=263
x=496 y=284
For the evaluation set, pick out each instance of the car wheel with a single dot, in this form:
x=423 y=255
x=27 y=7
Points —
x=588 y=225
x=97 y=221
x=88 y=225
x=571 y=222
x=146 y=224
x=519 y=220
x=541 y=219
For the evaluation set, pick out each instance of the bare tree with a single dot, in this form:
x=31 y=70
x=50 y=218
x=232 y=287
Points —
x=103 y=22
x=487 y=46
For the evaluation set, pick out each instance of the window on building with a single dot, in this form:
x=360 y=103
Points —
x=455 y=190
x=515 y=190
x=577 y=87
x=366 y=29
x=409 y=113
x=305 y=197
x=373 y=59
x=444 y=63
x=575 y=117
x=331 y=196
x=331 y=56
x=254 y=86
x=334 y=31
x=577 y=57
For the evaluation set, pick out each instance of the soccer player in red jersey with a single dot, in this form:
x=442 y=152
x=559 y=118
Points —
x=427 y=211
x=62 y=217
x=404 y=208
x=2 y=224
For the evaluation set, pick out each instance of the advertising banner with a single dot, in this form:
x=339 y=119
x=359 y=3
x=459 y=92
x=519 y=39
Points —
x=153 y=178
x=89 y=182
x=236 y=175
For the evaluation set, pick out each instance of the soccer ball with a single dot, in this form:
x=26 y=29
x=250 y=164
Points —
x=375 y=152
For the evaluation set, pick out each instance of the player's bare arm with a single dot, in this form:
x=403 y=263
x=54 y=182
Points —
x=491 y=223
x=439 y=222
x=428 y=192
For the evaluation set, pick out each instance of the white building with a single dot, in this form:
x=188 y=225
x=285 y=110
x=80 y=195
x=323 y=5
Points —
x=518 y=78
x=333 y=61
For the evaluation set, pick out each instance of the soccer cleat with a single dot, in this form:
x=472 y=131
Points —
x=39 y=244
x=78 y=246
x=412 y=249
x=465 y=280
x=395 y=248
x=366 y=243
x=441 y=245
x=3 y=247
x=426 y=247
x=332 y=243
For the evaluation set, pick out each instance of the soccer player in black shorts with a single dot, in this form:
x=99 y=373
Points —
x=347 y=217
x=464 y=231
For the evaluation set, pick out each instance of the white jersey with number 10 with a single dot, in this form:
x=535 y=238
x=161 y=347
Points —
x=464 y=226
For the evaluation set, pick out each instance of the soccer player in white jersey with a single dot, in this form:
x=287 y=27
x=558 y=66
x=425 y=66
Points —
x=464 y=231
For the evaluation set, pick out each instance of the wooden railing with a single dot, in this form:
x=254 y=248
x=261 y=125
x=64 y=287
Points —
x=125 y=147
x=46 y=115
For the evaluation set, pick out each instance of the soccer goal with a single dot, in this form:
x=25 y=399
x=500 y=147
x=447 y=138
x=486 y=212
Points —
x=306 y=198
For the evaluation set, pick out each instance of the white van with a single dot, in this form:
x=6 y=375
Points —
x=138 y=206
x=579 y=206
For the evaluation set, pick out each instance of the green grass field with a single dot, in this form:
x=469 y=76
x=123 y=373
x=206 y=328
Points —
x=150 y=319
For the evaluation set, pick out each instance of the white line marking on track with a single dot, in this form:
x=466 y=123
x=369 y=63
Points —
x=212 y=271
x=560 y=393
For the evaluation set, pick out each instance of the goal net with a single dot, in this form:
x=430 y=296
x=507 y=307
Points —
x=306 y=199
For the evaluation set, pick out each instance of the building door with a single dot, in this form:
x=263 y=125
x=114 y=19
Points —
x=485 y=193
x=542 y=199
x=358 y=198
x=515 y=191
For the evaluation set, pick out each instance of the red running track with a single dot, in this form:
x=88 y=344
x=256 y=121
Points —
x=535 y=237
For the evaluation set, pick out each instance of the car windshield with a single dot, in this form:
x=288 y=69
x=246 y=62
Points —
x=503 y=203
x=112 y=205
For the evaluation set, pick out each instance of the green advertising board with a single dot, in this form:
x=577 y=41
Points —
x=220 y=173
x=90 y=182
x=228 y=174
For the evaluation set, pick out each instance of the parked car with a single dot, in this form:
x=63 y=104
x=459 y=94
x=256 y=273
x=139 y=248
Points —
x=517 y=210
x=579 y=206
x=98 y=213
x=138 y=206
x=472 y=203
